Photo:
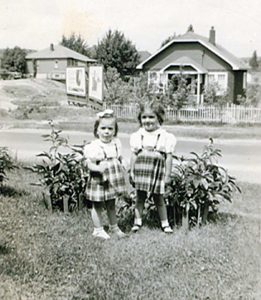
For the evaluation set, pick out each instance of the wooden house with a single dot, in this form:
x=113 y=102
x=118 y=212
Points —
x=51 y=63
x=201 y=60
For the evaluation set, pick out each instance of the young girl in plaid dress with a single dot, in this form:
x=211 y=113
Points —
x=106 y=181
x=151 y=162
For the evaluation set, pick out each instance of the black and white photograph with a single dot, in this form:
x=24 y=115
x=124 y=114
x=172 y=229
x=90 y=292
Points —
x=130 y=150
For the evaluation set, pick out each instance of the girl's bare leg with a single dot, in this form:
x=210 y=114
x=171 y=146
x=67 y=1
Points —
x=162 y=210
x=161 y=207
x=139 y=206
x=97 y=221
x=111 y=211
x=96 y=214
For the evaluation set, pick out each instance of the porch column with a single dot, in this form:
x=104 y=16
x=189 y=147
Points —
x=198 y=89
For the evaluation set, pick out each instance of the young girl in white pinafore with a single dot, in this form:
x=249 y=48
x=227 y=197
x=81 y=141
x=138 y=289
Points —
x=151 y=162
x=107 y=180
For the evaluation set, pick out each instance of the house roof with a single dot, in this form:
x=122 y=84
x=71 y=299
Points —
x=190 y=36
x=187 y=61
x=144 y=55
x=58 y=51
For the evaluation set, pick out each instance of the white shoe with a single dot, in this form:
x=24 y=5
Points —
x=120 y=234
x=135 y=228
x=167 y=229
x=102 y=234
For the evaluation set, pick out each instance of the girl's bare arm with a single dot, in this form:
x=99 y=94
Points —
x=94 y=167
x=168 y=168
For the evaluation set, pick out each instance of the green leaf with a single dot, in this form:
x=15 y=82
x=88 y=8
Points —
x=205 y=183
x=44 y=154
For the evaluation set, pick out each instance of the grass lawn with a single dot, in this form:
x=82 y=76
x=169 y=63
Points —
x=47 y=255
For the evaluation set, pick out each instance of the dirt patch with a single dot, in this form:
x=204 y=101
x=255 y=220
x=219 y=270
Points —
x=14 y=92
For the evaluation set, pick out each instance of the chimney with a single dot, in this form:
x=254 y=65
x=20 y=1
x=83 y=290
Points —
x=212 y=36
x=51 y=47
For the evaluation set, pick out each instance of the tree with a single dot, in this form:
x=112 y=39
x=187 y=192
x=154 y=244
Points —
x=179 y=91
x=190 y=28
x=115 y=51
x=13 y=59
x=168 y=39
x=117 y=91
x=253 y=61
x=76 y=43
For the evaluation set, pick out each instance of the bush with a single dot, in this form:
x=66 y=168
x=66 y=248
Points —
x=117 y=91
x=6 y=164
x=64 y=174
x=198 y=186
x=252 y=96
x=214 y=95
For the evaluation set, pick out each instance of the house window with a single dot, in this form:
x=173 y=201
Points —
x=153 y=79
x=163 y=82
x=157 y=81
x=56 y=64
x=211 y=78
x=220 y=79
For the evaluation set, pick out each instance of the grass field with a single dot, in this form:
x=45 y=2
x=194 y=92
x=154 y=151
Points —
x=47 y=255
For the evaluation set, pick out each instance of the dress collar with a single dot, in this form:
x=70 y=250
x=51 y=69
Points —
x=155 y=132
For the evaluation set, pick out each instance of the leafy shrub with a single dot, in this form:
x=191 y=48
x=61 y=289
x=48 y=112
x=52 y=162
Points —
x=64 y=174
x=6 y=163
x=214 y=95
x=36 y=107
x=252 y=95
x=179 y=91
x=125 y=211
x=117 y=91
x=199 y=185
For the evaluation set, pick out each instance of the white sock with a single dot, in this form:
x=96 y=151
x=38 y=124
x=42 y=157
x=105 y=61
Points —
x=138 y=221
x=164 y=223
x=114 y=227
x=98 y=229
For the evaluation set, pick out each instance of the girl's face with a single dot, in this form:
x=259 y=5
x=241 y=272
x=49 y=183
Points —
x=106 y=130
x=149 y=120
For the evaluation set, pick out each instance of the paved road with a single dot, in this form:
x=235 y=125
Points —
x=242 y=158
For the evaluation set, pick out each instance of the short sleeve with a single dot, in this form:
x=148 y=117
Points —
x=93 y=152
x=135 y=139
x=170 y=143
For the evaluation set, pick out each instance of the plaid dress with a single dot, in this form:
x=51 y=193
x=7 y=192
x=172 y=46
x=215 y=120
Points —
x=149 y=170
x=109 y=185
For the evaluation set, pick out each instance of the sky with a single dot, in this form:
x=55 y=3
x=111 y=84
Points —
x=35 y=24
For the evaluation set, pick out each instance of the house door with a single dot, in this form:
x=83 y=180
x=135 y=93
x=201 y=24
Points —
x=189 y=80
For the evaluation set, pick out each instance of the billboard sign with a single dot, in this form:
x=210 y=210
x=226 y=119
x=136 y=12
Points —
x=76 y=81
x=96 y=83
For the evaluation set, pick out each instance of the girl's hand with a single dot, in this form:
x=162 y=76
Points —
x=131 y=178
x=103 y=166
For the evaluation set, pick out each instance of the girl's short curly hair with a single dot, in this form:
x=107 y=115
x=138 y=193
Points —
x=155 y=106
x=97 y=123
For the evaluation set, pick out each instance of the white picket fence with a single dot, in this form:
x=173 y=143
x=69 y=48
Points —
x=231 y=113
